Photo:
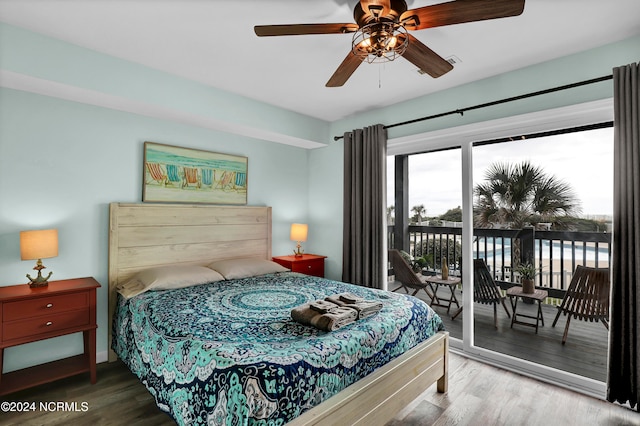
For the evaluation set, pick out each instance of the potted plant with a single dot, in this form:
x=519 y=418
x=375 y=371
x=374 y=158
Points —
x=419 y=264
x=410 y=261
x=527 y=272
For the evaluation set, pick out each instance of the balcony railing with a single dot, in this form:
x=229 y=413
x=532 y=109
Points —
x=555 y=254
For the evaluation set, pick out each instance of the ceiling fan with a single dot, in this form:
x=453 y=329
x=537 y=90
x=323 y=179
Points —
x=381 y=31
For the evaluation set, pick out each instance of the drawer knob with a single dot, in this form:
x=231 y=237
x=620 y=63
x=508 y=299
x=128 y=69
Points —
x=49 y=305
x=309 y=266
x=49 y=323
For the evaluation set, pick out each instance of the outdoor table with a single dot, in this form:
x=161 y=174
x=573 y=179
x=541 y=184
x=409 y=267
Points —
x=539 y=295
x=434 y=282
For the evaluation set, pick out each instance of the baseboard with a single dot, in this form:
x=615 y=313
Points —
x=102 y=357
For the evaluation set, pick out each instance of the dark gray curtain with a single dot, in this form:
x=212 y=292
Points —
x=365 y=181
x=624 y=345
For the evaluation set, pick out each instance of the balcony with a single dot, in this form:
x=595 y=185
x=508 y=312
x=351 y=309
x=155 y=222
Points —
x=555 y=256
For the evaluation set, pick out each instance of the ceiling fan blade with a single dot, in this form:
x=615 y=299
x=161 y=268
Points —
x=426 y=59
x=457 y=12
x=303 y=29
x=376 y=8
x=344 y=71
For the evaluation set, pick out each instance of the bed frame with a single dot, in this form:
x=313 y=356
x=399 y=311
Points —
x=146 y=235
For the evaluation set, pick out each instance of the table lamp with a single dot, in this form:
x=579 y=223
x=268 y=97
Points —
x=299 y=234
x=39 y=245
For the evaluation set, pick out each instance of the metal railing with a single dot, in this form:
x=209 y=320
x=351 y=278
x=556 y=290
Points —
x=555 y=254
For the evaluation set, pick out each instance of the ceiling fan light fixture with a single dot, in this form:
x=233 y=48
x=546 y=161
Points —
x=380 y=31
x=380 y=42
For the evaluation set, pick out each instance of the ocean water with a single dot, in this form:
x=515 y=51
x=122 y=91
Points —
x=550 y=250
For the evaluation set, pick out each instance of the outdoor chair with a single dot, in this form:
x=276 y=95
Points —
x=407 y=278
x=485 y=289
x=587 y=297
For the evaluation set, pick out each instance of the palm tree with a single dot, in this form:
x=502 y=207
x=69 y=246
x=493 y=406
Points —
x=390 y=218
x=418 y=213
x=516 y=195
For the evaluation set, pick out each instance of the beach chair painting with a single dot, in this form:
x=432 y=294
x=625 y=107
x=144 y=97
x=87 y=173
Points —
x=190 y=177
x=175 y=174
x=156 y=173
x=241 y=181
x=207 y=177
x=224 y=183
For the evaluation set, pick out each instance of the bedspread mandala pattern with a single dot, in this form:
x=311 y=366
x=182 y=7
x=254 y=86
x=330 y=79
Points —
x=229 y=352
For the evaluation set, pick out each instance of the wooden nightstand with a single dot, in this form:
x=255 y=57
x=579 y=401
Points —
x=310 y=264
x=32 y=314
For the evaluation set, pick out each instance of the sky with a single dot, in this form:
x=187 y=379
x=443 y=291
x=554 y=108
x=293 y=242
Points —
x=584 y=160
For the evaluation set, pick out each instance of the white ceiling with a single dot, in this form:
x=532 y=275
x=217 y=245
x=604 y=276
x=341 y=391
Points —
x=213 y=42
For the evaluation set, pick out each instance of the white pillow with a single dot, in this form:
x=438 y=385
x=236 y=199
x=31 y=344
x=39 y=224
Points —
x=166 y=278
x=246 y=267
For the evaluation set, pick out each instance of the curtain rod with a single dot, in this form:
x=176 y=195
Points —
x=461 y=111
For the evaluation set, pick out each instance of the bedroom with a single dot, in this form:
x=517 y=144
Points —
x=73 y=121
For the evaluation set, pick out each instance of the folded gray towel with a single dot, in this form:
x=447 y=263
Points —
x=350 y=298
x=322 y=306
x=329 y=321
x=341 y=316
x=365 y=308
x=337 y=299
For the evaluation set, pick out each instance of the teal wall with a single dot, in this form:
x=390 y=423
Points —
x=64 y=156
x=63 y=161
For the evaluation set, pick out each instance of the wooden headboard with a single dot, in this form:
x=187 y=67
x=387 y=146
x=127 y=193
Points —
x=144 y=235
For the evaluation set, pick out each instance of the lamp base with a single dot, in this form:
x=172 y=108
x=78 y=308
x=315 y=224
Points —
x=298 y=252
x=39 y=281
x=37 y=284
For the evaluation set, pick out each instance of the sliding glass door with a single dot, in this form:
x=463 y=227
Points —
x=542 y=207
x=540 y=200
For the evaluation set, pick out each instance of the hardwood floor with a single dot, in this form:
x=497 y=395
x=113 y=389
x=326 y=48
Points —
x=478 y=395
x=118 y=398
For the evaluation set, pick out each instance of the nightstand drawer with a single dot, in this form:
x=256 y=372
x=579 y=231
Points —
x=310 y=264
x=309 y=267
x=45 y=324
x=47 y=305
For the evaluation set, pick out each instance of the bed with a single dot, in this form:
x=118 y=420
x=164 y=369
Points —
x=364 y=372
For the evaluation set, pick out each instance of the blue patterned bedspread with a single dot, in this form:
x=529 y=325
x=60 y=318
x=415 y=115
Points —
x=229 y=353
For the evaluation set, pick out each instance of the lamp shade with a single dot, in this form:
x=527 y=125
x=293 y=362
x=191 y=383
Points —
x=38 y=244
x=299 y=231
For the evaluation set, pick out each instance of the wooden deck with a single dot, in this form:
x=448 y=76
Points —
x=585 y=352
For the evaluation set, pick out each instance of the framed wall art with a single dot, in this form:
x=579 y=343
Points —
x=185 y=175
